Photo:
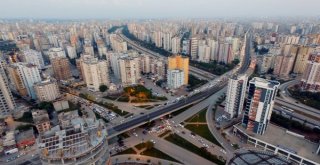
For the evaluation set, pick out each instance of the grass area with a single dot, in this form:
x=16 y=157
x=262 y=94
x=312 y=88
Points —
x=312 y=134
x=199 y=117
x=311 y=99
x=140 y=146
x=175 y=113
x=215 y=67
x=127 y=151
x=107 y=105
x=195 y=82
x=203 y=131
x=179 y=141
x=142 y=94
x=24 y=127
x=165 y=133
x=153 y=152
x=26 y=117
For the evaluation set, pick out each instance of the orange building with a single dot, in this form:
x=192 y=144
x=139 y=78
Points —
x=181 y=63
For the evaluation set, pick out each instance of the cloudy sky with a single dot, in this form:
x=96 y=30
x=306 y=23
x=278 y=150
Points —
x=156 y=8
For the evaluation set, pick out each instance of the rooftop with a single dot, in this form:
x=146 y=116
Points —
x=24 y=135
x=252 y=157
x=287 y=140
x=79 y=138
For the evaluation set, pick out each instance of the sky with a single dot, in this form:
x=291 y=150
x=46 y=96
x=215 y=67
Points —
x=114 y=9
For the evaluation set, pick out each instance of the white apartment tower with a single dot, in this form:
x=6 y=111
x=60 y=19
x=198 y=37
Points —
x=236 y=92
x=129 y=70
x=47 y=90
x=176 y=45
x=95 y=73
x=175 y=78
x=28 y=75
x=33 y=57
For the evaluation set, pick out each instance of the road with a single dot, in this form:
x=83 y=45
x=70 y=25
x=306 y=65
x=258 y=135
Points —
x=195 y=97
x=193 y=70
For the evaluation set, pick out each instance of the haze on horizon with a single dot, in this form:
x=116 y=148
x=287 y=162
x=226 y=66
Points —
x=114 y=9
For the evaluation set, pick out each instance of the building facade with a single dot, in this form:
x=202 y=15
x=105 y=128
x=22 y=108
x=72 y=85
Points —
x=61 y=68
x=95 y=73
x=259 y=104
x=181 y=63
x=24 y=76
x=175 y=78
x=7 y=103
x=311 y=77
x=129 y=70
x=236 y=92
x=47 y=90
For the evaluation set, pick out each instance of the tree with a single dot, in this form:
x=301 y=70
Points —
x=149 y=145
x=103 y=88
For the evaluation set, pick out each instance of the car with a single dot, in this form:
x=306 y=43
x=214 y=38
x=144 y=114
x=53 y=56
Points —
x=135 y=134
x=153 y=141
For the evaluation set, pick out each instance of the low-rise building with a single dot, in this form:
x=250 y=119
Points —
x=47 y=90
x=25 y=139
x=41 y=120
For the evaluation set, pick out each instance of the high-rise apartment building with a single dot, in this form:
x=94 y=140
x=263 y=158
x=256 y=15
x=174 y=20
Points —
x=193 y=48
x=24 y=76
x=72 y=53
x=129 y=70
x=176 y=41
x=95 y=73
x=47 y=90
x=311 y=77
x=61 y=68
x=181 y=63
x=56 y=52
x=175 y=78
x=236 y=92
x=302 y=59
x=33 y=57
x=7 y=103
x=259 y=104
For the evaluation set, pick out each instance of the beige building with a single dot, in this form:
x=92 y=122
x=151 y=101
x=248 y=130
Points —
x=95 y=72
x=24 y=76
x=181 y=63
x=7 y=103
x=47 y=90
x=302 y=59
x=311 y=76
x=284 y=63
x=129 y=70
x=41 y=120
x=61 y=68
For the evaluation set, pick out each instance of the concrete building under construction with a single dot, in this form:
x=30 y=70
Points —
x=83 y=141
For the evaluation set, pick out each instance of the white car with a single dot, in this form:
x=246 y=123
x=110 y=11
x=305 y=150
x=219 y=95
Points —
x=153 y=141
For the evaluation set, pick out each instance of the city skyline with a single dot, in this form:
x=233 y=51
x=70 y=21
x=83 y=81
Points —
x=139 y=9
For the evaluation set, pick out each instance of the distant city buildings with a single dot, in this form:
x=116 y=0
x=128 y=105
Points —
x=175 y=78
x=259 y=104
